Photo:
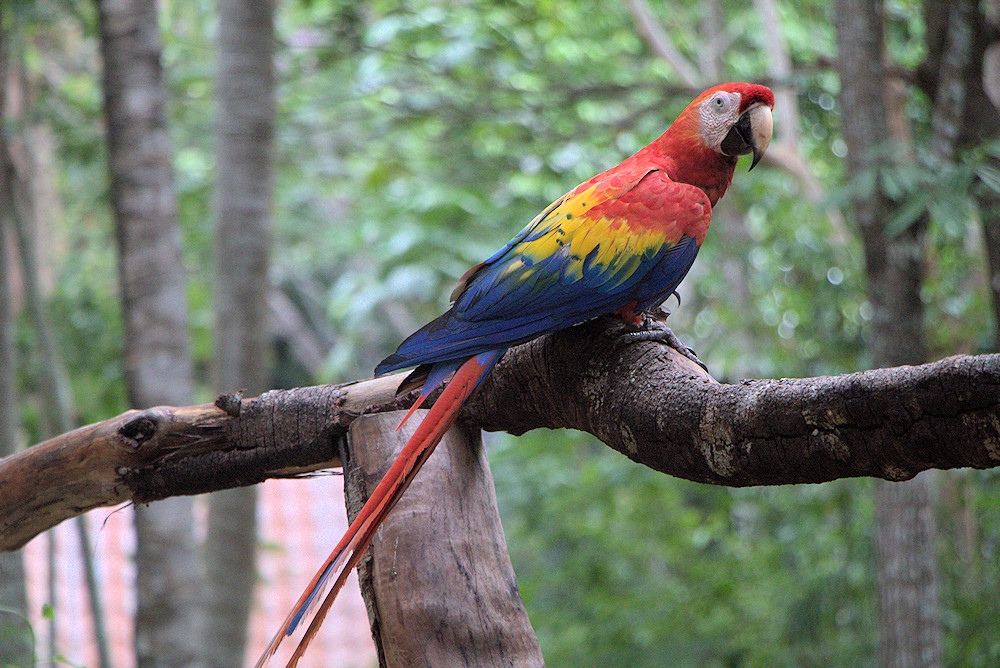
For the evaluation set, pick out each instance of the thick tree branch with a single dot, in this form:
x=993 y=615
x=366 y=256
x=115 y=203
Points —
x=885 y=423
x=640 y=398
x=147 y=455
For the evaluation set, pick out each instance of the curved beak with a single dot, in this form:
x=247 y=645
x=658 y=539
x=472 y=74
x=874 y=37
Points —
x=750 y=134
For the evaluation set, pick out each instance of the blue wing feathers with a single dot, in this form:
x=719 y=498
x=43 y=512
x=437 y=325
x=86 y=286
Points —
x=498 y=309
x=667 y=274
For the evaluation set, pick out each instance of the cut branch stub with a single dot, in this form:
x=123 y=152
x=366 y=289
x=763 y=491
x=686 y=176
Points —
x=278 y=434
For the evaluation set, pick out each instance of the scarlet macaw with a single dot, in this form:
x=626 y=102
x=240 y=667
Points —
x=618 y=243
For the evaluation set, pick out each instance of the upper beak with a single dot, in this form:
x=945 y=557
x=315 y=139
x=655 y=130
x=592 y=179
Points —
x=750 y=134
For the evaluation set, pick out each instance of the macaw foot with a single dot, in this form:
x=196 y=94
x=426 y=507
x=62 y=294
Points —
x=653 y=329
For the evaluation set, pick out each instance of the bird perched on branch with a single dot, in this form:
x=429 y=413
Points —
x=619 y=243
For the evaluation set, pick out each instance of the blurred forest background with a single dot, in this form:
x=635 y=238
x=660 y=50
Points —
x=295 y=187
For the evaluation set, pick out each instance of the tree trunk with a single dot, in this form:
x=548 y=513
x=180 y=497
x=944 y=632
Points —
x=965 y=114
x=906 y=569
x=154 y=309
x=439 y=593
x=989 y=212
x=21 y=165
x=244 y=84
x=15 y=632
x=15 y=646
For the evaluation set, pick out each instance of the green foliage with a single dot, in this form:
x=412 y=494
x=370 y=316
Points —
x=971 y=546
x=455 y=127
x=622 y=565
x=413 y=139
x=940 y=195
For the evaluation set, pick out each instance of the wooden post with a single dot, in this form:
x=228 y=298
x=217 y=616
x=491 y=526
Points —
x=438 y=581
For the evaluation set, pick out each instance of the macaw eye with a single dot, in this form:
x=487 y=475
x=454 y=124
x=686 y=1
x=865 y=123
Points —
x=720 y=102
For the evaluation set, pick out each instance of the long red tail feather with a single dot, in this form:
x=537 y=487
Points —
x=348 y=552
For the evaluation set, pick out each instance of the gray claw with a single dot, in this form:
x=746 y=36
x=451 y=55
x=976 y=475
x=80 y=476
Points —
x=654 y=330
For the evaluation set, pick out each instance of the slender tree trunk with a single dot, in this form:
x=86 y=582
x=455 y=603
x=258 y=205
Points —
x=20 y=174
x=15 y=648
x=244 y=84
x=988 y=198
x=989 y=212
x=154 y=309
x=15 y=645
x=906 y=569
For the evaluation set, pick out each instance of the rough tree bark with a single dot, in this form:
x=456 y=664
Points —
x=154 y=309
x=244 y=119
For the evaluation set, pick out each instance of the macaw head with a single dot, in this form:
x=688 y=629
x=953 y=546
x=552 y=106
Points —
x=701 y=147
x=733 y=119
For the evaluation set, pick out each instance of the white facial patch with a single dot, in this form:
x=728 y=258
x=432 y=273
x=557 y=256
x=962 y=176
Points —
x=717 y=114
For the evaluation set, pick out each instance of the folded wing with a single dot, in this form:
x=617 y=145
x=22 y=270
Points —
x=598 y=248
